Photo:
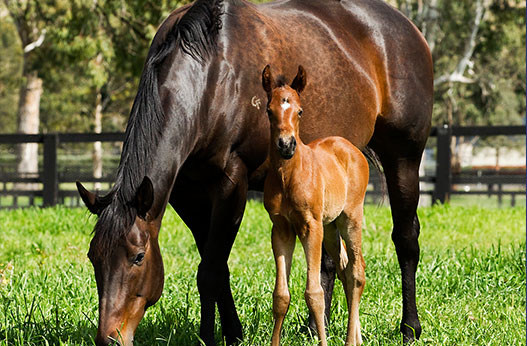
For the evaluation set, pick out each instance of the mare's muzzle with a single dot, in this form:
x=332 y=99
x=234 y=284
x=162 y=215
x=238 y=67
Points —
x=286 y=147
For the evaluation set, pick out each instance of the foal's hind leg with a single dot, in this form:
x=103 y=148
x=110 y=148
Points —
x=349 y=225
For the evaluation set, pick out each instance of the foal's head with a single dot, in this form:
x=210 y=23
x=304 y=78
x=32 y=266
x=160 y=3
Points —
x=284 y=110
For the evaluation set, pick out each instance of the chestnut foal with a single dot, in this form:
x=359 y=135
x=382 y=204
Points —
x=315 y=191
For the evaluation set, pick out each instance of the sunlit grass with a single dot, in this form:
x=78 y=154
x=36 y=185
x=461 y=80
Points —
x=471 y=280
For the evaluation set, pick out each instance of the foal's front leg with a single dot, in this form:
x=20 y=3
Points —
x=314 y=294
x=283 y=241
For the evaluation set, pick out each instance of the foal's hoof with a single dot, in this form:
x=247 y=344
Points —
x=410 y=331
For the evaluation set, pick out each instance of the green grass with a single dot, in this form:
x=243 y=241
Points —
x=471 y=281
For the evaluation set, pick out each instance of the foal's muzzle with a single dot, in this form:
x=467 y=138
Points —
x=286 y=147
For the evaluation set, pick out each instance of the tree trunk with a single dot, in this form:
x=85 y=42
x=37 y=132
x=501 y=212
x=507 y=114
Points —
x=97 y=146
x=28 y=122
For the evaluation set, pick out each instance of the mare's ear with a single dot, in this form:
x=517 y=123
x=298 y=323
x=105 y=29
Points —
x=299 y=83
x=267 y=79
x=92 y=201
x=144 y=197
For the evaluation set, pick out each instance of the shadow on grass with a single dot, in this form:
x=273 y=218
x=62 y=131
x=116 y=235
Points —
x=170 y=330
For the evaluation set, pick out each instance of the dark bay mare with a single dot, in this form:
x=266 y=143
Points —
x=197 y=138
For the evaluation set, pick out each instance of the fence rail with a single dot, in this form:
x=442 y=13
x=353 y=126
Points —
x=443 y=181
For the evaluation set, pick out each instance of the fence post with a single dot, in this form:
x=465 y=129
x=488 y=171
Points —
x=50 y=174
x=443 y=165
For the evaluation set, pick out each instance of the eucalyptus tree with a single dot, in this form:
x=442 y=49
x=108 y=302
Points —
x=81 y=58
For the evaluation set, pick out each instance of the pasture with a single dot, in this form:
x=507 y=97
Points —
x=470 y=281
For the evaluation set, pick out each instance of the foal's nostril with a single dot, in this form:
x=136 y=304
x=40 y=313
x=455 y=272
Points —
x=286 y=147
x=281 y=143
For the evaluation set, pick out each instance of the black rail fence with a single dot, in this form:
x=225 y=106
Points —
x=438 y=185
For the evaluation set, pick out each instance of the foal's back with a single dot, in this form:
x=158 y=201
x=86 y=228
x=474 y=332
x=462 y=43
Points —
x=344 y=171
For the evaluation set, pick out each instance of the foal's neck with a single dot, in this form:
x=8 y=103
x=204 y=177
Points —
x=283 y=168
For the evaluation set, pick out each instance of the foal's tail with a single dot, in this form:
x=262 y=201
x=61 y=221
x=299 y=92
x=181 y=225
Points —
x=375 y=162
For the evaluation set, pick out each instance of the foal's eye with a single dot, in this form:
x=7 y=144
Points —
x=300 y=113
x=139 y=258
x=269 y=113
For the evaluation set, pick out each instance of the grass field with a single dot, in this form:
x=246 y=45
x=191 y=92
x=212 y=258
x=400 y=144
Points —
x=471 y=281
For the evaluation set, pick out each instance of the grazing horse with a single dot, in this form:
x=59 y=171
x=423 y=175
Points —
x=315 y=191
x=196 y=139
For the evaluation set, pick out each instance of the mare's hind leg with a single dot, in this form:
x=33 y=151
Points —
x=327 y=280
x=400 y=161
x=349 y=225
x=402 y=177
x=336 y=250
x=283 y=240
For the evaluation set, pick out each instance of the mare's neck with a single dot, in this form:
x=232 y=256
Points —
x=177 y=135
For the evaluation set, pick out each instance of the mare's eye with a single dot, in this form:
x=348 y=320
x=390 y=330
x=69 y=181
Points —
x=300 y=113
x=139 y=258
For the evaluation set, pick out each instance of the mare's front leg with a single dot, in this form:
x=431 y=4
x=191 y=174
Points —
x=192 y=202
x=283 y=241
x=226 y=197
x=311 y=240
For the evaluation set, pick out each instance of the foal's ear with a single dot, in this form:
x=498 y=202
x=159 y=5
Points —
x=299 y=83
x=91 y=200
x=144 y=197
x=267 y=79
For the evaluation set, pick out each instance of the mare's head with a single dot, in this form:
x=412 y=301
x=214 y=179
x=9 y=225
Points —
x=125 y=255
x=284 y=110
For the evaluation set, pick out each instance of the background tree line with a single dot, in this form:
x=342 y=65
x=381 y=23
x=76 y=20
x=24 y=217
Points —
x=74 y=65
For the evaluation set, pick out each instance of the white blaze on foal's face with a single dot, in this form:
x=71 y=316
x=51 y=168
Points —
x=285 y=104
x=283 y=113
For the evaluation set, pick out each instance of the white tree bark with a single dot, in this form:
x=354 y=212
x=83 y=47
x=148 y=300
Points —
x=458 y=74
x=97 y=146
x=28 y=122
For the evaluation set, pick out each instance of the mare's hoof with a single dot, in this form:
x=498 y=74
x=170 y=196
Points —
x=410 y=331
x=233 y=341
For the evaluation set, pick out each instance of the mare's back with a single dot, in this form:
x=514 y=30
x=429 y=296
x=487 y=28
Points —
x=348 y=47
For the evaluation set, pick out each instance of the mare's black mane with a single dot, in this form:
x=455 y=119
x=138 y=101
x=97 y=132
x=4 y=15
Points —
x=195 y=34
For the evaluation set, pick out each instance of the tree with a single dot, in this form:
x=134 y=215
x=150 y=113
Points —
x=10 y=71
x=32 y=33
x=81 y=59
x=480 y=77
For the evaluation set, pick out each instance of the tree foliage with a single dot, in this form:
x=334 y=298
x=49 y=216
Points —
x=99 y=46
x=10 y=71
x=88 y=47
x=478 y=49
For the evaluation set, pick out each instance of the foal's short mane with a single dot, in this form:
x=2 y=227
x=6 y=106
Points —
x=281 y=81
x=195 y=33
